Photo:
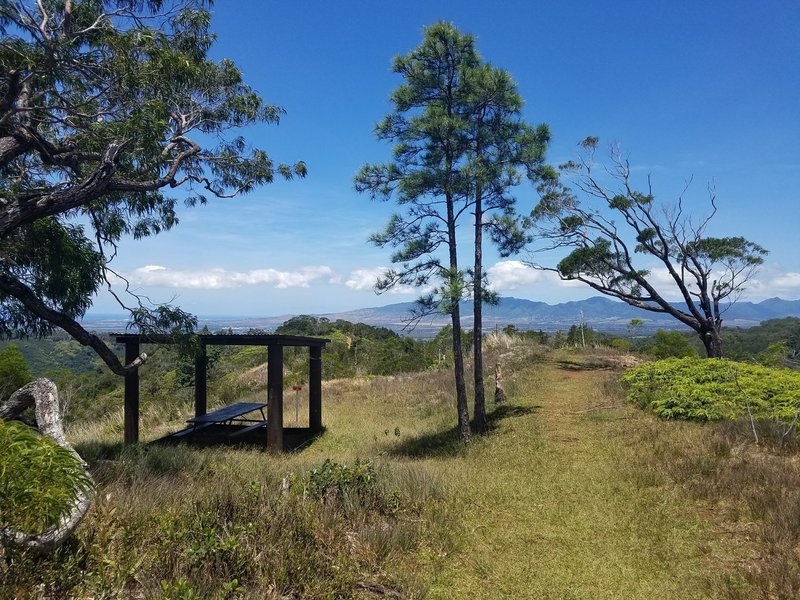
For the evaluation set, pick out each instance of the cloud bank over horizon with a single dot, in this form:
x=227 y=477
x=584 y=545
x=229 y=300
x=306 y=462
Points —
x=506 y=277
x=157 y=275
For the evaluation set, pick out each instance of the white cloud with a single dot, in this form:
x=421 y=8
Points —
x=663 y=282
x=784 y=285
x=509 y=275
x=769 y=283
x=365 y=279
x=156 y=275
x=787 y=281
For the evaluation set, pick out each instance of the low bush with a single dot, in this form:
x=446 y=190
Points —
x=39 y=480
x=713 y=389
x=352 y=487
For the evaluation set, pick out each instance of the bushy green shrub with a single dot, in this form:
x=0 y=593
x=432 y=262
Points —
x=39 y=480
x=332 y=478
x=351 y=487
x=620 y=344
x=712 y=389
x=667 y=344
x=14 y=371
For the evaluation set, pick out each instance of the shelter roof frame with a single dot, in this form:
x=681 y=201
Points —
x=274 y=344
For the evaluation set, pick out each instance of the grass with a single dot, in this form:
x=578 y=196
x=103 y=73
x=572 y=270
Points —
x=552 y=512
x=573 y=494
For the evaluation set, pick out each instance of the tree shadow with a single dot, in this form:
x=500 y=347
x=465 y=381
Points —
x=448 y=442
x=508 y=411
x=438 y=443
x=93 y=452
x=295 y=439
x=584 y=365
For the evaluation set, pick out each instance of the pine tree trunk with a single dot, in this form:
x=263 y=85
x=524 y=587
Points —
x=479 y=416
x=458 y=371
x=455 y=313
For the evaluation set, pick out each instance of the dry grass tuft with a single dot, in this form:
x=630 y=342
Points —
x=753 y=494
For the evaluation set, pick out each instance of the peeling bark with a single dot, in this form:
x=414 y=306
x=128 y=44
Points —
x=43 y=395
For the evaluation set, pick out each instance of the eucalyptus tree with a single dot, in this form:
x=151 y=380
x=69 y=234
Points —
x=459 y=145
x=106 y=110
x=615 y=230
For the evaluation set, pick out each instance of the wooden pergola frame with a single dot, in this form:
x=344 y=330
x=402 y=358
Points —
x=274 y=344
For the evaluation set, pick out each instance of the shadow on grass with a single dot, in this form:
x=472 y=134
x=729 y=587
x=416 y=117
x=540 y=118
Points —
x=584 y=365
x=93 y=452
x=447 y=442
x=96 y=453
x=506 y=411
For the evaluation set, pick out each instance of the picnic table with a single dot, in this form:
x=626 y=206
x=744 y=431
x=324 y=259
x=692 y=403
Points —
x=229 y=415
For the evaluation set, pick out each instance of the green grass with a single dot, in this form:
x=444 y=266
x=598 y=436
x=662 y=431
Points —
x=554 y=508
x=572 y=494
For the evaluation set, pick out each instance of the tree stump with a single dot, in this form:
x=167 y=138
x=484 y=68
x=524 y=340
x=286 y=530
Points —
x=499 y=392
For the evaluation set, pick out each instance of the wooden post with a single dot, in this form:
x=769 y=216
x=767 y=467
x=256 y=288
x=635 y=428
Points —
x=201 y=382
x=315 y=389
x=275 y=398
x=131 y=394
x=499 y=390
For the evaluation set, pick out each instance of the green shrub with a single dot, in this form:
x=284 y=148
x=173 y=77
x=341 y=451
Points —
x=712 y=389
x=351 y=487
x=666 y=344
x=39 y=479
x=620 y=344
x=14 y=371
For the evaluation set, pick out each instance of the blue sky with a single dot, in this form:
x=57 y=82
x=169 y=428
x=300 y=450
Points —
x=708 y=91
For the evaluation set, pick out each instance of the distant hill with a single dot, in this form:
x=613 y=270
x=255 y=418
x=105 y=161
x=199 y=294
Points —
x=599 y=313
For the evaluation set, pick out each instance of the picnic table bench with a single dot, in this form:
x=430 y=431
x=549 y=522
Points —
x=228 y=415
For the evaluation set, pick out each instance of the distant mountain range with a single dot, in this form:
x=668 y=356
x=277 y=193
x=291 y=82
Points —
x=598 y=312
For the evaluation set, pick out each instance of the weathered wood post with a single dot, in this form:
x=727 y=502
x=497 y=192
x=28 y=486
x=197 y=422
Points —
x=499 y=391
x=201 y=381
x=131 y=393
x=275 y=397
x=315 y=389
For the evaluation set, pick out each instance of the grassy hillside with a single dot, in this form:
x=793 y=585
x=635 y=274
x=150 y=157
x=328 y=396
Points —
x=573 y=494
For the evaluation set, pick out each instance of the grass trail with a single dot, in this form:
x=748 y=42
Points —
x=567 y=498
x=556 y=508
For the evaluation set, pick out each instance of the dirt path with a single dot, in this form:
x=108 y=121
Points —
x=556 y=506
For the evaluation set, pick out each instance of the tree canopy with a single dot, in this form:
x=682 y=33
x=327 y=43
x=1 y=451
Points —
x=618 y=232
x=429 y=133
x=106 y=110
x=460 y=146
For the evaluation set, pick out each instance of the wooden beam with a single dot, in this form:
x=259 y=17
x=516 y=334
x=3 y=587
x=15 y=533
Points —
x=246 y=339
x=226 y=339
x=201 y=382
x=131 y=394
x=275 y=398
x=315 y=389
